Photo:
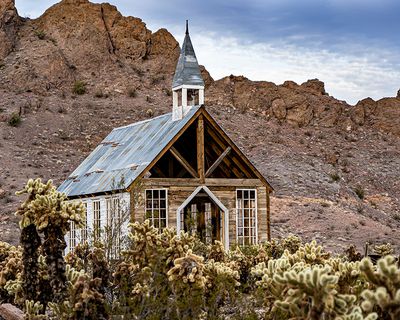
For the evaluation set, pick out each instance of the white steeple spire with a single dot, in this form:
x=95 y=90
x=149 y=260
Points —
x=188 y=84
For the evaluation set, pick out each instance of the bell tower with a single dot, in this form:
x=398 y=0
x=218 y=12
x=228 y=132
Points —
x=188 y=84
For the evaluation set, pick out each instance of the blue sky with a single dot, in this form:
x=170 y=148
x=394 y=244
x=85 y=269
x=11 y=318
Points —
x=351 y=45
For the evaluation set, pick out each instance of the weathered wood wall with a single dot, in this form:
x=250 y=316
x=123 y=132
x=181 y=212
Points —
x=224 y=189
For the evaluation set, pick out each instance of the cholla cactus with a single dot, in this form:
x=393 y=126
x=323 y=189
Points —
x=188 y=284
x=10 y=272
x=310 y=253
x=291 y=243
x=30 y=241
x=78 y=258
x=385 y=297
x=188 y=269
x=352 y=254
x=100 y=268
x=47 y=211
x=349 y=273
x=357 y=314
x=145 y=244
x=176 y=246
x=312 y=294
x=241 y=262
x=217 y=252
x=269 y=289
x=33 y=311
x=46 y=206
x=221 y=284
x=383 y=249
x=84 y=299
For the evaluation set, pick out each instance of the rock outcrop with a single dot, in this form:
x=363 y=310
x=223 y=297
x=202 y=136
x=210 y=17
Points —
x=79 y=40
x=298 y=105
x=9 y=22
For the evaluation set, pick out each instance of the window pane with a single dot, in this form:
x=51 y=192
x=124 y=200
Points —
x=246 y=216
x=163 y=204
x=156 y=205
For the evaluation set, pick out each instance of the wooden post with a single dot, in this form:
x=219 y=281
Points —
x=200 y=149
x=268 y=216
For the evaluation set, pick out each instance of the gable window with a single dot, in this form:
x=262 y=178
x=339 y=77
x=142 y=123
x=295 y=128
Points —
x=246 y=216
x=96 y=220
x=156 y=207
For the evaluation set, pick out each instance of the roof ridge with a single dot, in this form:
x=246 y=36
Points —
x=142 y=121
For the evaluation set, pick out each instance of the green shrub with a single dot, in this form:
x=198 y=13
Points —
x=40 y=34
x=14 y=120
x=360 y=192
x=79 y=87
x=335 y=176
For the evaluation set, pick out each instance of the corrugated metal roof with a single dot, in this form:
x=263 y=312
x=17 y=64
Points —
x=187 y=70
x=123 y=155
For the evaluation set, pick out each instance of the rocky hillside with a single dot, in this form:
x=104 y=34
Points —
x=70 y=76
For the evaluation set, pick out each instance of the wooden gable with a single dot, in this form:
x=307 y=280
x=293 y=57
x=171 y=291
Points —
x=203 y=150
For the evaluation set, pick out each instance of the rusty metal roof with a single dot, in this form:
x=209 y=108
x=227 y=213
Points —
x=123 y=155
x=187 y=69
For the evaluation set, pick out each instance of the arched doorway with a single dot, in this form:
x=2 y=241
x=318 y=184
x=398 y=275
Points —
x=204 y=214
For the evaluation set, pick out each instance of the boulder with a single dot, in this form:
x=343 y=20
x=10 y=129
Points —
x=314 y=86
x=279 y=109
x=10 y=312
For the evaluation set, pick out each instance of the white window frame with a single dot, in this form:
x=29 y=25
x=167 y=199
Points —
x=84 y=230
x=152 y=208
x=113 y=203
x=72 y=237
x=255 y=217
x=96 y=220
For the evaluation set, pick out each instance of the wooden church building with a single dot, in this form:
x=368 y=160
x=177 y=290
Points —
x=179 y=170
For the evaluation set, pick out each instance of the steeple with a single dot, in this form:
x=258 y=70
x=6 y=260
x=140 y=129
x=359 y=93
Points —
x=188 y=84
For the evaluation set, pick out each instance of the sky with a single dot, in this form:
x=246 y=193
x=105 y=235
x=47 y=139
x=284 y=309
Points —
x=351 y=45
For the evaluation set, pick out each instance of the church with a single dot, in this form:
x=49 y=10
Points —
x=179 y=170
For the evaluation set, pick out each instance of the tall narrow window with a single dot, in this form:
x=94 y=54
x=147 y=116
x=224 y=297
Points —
x=114 y=225
x=246 y=217
x=73 y=241
x=96 y=220
x=84 y=230
x=156 y=207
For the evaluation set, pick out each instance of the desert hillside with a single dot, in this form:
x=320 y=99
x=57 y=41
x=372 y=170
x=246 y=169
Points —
x=81 y=69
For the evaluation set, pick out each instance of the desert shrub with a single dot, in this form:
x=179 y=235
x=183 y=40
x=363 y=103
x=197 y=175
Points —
x=79 y=87
x=40 y=34
x=383 y=249
x=335 y=176
x=14 y=120
x=359 y=191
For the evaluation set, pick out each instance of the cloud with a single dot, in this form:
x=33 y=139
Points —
x=349 y=77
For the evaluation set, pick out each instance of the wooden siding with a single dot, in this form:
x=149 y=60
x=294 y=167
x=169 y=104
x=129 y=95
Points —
x=224 y=189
